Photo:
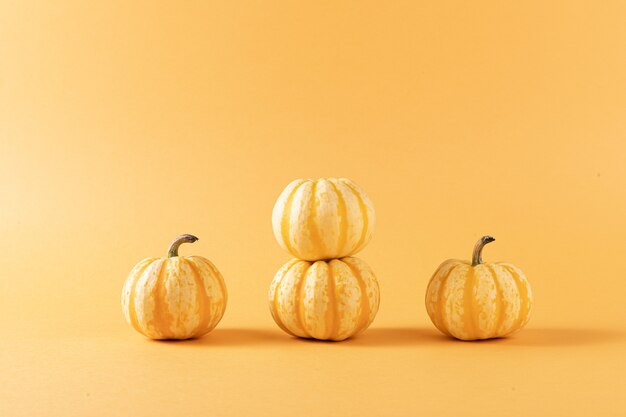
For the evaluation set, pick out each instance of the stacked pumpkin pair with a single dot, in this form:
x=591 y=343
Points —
x=324 y=292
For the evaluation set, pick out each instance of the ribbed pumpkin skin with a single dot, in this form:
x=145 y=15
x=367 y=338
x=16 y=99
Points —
x=324 y=300
x=174 y=298
x=478 y=302
x=323 y=219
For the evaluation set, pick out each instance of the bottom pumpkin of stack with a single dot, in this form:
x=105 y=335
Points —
x=326 y=300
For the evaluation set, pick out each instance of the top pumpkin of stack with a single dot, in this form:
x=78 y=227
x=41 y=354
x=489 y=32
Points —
x=327 y=218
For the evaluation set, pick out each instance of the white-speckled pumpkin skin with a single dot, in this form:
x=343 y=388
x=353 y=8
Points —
x=323 y=219
x=324 y=300
x=174 y=298
x=478 y=302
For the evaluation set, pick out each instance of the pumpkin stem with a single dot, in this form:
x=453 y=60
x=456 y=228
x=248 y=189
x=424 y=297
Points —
x=478 y=249
x=173 y=250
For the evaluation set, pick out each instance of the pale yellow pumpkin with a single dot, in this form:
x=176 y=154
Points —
x=478 y=300
x=324 y=300
x=175 y=297
x=323 y=219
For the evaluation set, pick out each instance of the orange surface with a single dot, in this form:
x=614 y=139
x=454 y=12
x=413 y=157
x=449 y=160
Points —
x=124 y=124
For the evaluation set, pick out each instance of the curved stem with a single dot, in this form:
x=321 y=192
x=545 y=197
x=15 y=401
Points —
x=478 y=249
x=173 y=250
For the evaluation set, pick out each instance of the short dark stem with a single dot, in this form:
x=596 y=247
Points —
x=173 y=250
x=478 y=249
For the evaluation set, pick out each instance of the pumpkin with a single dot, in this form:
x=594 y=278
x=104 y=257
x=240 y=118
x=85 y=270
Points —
x=478 y=300
x=175 y=297
x=323 y=219
x=326 y=300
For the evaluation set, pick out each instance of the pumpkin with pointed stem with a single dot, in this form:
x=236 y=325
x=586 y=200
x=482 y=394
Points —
x=478 y=300
x=326 y=300
x=323 y=219
x=175 y=297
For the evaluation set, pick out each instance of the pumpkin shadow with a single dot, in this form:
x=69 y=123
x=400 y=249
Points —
x=538 y=337
x=561 y=336
x=238 y=337
x=397 y=336
x=408 y=336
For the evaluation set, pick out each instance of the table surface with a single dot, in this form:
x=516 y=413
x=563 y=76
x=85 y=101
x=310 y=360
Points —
x=261 y=371
x=125 y=124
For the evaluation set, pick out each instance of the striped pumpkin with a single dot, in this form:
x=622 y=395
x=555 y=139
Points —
x=478 y=300
x=323 y=219
x=175 y=297
x=324 y=300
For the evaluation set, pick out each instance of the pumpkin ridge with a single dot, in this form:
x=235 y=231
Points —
x=161 y=323
x=528 y=295
x=214 y=274
x=374 y=280
x=217 y=276
x=523 y=314
x=145 y=293
x=499 y=303
x=316 y=238
x=469 y=301
x=442 y=298
x=299 y=302
x=177 y=320
x=343 y=217
x=332 y=323
x=364 y=215
x=365 y=304
x=286 y=220
x=204 y=302
x=132 y=313
x=432 y=306
x=274 y=304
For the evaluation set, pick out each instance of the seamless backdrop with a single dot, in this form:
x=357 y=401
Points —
x=124 y=124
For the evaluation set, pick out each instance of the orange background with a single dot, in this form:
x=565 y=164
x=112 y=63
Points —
x=124 y=124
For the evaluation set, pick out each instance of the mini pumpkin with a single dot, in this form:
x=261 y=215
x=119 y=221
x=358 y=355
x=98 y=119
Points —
x=323 y=219
x=175 y=297
x=478 y=300
x=326 y=300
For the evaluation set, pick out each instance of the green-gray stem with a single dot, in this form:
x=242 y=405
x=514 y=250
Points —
x=173 y=250
x=478 y=249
